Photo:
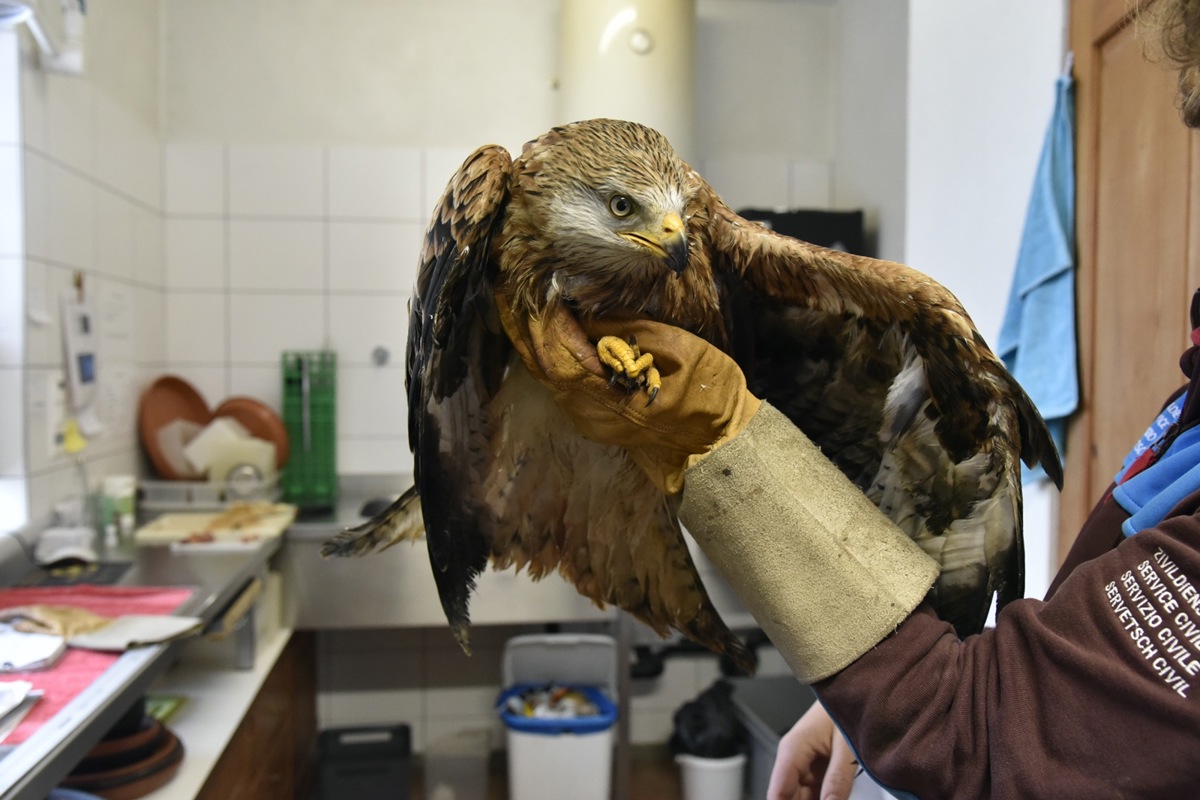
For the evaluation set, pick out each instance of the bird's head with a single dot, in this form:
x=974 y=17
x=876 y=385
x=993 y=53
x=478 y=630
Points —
x=610 y=198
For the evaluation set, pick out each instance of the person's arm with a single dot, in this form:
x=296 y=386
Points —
x=1041 y=705
x=813 y=760
x=1094 y=693
x=1097 y=688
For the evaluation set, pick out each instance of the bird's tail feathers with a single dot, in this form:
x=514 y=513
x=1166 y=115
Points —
x=1037 y=446
x=399 y=522
x=963 y=593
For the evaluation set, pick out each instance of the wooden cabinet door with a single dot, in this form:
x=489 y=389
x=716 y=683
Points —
x=1138 y=244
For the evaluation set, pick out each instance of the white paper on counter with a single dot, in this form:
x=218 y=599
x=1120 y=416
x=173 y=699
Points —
x=12 y=694
x=24 y=652
x=137 y=630
x=16 y=699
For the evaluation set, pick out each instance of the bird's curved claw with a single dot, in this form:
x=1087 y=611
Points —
x=632 y=368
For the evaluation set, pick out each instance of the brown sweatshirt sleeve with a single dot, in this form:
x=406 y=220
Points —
x=1092 y=693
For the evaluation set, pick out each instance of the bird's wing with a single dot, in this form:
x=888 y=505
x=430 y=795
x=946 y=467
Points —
x=455 y=363
x=569 y=505
x=883 y=369
x=501 y=473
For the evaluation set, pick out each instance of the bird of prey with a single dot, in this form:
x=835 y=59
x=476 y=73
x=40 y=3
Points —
x=878 y=364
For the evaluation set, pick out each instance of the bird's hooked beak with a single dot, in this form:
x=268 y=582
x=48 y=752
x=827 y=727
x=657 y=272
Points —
x=669 y=242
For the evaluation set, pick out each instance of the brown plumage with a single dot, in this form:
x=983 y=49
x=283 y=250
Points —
x=877 y=363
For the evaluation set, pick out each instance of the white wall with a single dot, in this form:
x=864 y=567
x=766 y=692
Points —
x=414 y=73
x=273 y=247
x=87 y=191
x=980 y=94
x=14 y=505
x=981 y=88
x=870 y=112
x=764 y=78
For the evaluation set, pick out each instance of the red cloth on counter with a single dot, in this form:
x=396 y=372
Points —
x=76 y=670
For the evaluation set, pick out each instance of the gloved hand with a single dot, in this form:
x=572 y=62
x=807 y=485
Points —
x=703 y=401
x=826 y=575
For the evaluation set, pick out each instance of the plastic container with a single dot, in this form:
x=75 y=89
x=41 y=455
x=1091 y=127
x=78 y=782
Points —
x=711 y=778
x=456 y=766
x=117 y=503
x=310 y=415
x=366 y=763
x=549 y=759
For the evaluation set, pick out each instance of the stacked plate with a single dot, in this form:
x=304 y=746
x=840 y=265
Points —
x=172 y=411
x=129 y=763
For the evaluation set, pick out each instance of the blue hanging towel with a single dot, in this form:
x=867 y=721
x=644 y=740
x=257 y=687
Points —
x=1037 y=337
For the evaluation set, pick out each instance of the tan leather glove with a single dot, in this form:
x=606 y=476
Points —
x=824 y=572
x=703 y=401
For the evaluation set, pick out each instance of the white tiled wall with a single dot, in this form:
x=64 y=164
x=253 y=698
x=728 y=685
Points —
x=289 y=247
x=80 y=183
x=13 y=505
x=285 y=247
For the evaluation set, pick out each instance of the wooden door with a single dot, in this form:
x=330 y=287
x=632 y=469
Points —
x=1138 y=245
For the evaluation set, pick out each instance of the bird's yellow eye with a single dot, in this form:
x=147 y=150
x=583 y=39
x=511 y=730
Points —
x=620 y=205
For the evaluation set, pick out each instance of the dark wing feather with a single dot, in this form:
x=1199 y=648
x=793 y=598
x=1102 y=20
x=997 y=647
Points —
x=455 y=362
x=585 y=510
x=883 y=369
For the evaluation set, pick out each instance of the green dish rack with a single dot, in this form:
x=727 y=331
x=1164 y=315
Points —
x=309 y=480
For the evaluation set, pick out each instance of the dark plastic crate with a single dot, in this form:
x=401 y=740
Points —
x=365 y=763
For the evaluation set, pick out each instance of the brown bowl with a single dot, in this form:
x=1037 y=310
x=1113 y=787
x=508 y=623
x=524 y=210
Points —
x=134 y=780
x=168 y=399
x=120 y=751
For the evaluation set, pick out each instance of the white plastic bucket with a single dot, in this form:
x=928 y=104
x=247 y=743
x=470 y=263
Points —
x=711 y=778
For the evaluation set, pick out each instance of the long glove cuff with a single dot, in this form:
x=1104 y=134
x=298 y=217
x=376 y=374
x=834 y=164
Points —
x=824 y=572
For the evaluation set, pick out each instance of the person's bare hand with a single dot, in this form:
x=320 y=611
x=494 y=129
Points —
x=814 y=762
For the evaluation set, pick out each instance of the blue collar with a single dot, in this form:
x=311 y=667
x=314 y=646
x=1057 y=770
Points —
x=1149 y=493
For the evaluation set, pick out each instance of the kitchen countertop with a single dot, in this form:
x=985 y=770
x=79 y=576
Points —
x=30 y=770
x=395 y=587
x=401 y=577
x=354 y=492
x=399 y=581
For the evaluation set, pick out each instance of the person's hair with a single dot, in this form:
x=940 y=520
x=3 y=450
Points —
x=1178 y=25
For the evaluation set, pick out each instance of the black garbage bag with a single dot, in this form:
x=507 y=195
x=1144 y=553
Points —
x=709 y=726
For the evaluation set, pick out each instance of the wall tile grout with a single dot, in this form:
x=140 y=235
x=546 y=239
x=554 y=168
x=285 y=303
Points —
x=227 y=254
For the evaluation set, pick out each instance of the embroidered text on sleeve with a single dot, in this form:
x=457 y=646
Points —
x=1159 y=607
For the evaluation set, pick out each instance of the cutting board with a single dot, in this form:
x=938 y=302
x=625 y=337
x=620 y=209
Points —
x=239 y=526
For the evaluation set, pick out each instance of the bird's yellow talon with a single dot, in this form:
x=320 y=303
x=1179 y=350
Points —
x=629 y=364
x=653 y=383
